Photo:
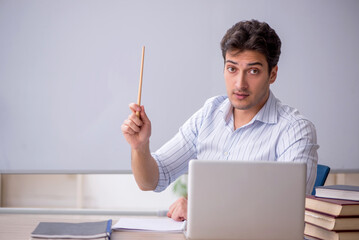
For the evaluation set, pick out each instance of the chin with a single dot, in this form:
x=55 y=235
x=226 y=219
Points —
x=240 y=106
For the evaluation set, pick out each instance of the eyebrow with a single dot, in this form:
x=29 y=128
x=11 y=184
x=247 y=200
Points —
x=255 y=63
x=230 y=61
x=248 y=64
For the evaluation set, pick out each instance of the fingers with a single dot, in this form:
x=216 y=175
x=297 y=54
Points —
x=128 y=129
x=171 y=209
x=132 y=124
x=136 y=130
x=144 y=115
x=135 y=107
x=178 y=210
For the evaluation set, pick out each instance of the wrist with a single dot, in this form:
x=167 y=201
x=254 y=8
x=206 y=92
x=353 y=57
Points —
x=141 y=149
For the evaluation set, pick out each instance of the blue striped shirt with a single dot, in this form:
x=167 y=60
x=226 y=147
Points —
x=276 y=133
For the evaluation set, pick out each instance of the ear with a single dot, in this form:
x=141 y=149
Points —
x=273 y=74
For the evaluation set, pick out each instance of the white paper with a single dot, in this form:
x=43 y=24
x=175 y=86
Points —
x=149 y=224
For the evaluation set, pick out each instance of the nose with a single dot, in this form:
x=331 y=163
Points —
x=241 y=81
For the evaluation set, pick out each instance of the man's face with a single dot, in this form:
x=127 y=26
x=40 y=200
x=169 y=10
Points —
x=247 y=80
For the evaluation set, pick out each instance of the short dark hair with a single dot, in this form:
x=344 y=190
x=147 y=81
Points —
x=253 y=35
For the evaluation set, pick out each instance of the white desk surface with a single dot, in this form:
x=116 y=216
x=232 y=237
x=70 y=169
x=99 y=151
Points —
x=16 y=226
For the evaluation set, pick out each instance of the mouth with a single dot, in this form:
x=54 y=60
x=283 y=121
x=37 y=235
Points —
x=241 y=95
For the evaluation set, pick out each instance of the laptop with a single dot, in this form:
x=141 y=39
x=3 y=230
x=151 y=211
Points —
x=246 y=200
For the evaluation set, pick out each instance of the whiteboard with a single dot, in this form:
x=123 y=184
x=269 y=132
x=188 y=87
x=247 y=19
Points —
x=69 y=69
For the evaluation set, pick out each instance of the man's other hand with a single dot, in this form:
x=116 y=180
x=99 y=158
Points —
x=178 y=210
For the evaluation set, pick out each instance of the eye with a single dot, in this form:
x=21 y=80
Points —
x=231 y=69
x=253 y=71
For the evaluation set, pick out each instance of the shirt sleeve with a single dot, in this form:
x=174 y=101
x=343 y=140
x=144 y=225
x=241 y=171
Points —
x=299 y=144
x=173 y=157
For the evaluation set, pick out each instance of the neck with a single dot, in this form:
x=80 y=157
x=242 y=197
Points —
x=242 y=117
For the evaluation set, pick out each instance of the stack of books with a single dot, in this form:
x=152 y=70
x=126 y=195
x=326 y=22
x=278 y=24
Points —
x=61 y=230
x=333 y=214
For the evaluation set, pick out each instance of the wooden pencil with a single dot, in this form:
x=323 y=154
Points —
x=141 y=77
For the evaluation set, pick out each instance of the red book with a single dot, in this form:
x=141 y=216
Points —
x=330 y=222
x=334 y=207
x=321 y=233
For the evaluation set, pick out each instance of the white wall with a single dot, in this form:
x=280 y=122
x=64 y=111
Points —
x=106 y=192
x=68 y=70
x=115 y=192
x=80 y=59
x=48 y=191
x=121 y=192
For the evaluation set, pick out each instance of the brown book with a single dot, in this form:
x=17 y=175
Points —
x=334 y=207
x=330 y=222
x=321 y=233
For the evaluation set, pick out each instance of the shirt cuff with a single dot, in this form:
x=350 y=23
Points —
x=163 y=178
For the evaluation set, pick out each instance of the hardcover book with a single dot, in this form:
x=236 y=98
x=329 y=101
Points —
x=346 y=192
x=321 y=233
x=334 y=207
x=61 y=230
x=330 y=222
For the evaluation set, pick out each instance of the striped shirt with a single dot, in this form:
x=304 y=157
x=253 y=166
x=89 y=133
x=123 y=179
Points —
x=276 y=133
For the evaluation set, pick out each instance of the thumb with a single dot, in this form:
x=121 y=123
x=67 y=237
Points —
x=144 y=117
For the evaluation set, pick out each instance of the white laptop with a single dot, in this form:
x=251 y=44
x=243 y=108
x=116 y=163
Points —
x=246 y=200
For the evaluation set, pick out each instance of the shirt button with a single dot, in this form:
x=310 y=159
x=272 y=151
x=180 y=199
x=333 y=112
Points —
x=225 y=153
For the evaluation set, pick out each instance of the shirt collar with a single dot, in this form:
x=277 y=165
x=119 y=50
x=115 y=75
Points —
x=267 y=114
x=227 y=110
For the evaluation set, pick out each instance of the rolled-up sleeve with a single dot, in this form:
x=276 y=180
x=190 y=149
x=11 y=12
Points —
x=172 y=159
x=299 y=144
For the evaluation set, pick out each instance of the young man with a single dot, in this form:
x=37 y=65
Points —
x=247 y=124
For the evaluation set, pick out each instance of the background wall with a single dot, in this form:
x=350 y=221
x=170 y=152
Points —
x=69 y=69
x=107 y=192
x=112 y=191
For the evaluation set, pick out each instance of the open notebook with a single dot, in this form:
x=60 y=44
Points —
x=162 y=224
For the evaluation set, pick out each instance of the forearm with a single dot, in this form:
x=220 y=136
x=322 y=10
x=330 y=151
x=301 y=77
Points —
x=144 y=168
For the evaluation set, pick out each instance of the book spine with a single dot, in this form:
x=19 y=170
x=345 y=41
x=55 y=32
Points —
x=109 y=225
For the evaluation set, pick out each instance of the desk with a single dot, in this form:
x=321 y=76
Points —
x=20 y=226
